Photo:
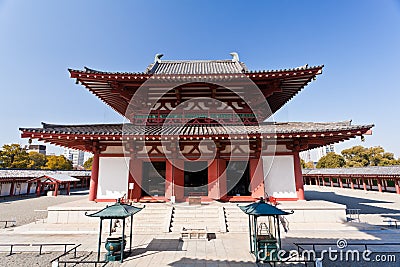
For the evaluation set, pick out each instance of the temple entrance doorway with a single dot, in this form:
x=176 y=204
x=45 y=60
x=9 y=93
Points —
x=238 y=178
x=153 y=181
x=196 y=178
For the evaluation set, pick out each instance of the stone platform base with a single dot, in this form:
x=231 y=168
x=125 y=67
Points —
x=161 y=217
x=317 y=211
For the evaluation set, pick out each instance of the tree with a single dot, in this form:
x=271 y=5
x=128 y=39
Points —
x=88 y=164
x=13 y=156
x=331 y=160
x=306 y=165
x=358 y=156
x=58 y=163
x=36 y=160
x=303 y=163
x=309 y=165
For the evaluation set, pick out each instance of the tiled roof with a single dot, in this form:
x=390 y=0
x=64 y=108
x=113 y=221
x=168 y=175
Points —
x=62 y=177
x=370 y=170
x=197 y=67
x=129 y=129
x=116 y=89
x=13 y=173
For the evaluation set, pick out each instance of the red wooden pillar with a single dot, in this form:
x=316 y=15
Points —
x=179 y=179
x=217 y=179
x=169 y=177
x=371 y=182
x=317 y=179
x=379 y=185
x=298 y=176
x=396 y=184
x=364 y=184
x=384 y=184
x=340 y=182
x=56 y=189
x=94 y=178
x=257 y=187
x=12 y=188
x=135 y=177
x=174 y=179
x=323 y=181
x=68 y=188
x=331 y=181
x=38 y=186
x=351 y=183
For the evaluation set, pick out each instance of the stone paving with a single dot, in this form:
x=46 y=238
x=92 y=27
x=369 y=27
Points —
x=231 y=249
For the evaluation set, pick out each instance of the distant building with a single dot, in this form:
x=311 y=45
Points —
x=315 y=155
x=37 y=148
x=325 y=150
x=76 y=156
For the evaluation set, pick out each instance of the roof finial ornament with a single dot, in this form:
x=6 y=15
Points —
x=157 y=58
x=235 y=57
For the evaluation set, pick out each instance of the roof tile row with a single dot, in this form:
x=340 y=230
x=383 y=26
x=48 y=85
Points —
x=129 y=129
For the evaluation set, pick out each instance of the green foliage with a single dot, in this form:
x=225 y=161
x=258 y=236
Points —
x=36 y=160
x=13 y=156
x=309 y=165
x=359 y=156
x=331 y=160
x=58 y=163
x=303 y=163
x=88 y=164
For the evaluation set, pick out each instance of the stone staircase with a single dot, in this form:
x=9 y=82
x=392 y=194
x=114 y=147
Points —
x=236 y=220
x=198 y=217
x=155 y=218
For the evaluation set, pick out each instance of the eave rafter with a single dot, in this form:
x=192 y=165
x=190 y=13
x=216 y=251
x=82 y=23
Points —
x=117 y=89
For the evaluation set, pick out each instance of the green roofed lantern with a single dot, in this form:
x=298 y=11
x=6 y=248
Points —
x=265 y=237
x=116 y=211
x=115 y=246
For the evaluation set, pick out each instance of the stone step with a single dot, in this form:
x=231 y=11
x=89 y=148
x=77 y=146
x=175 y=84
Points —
x=195 y=225
x=183 y=212
x=138 y=230
x=203 y=218
x=148 y=224
x=206 y=220
x=209 y=230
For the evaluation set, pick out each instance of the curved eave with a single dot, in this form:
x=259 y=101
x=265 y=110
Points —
x=117 y=88
x=80 y=137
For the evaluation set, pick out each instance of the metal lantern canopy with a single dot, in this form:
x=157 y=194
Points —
x=265 y=237
x=115 y=245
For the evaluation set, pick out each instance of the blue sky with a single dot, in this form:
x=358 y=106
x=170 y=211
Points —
x=357 y=41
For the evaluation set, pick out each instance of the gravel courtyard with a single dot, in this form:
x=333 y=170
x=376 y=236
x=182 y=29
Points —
x=27 y=209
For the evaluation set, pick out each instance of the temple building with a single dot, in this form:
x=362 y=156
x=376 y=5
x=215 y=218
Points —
x=196 y=128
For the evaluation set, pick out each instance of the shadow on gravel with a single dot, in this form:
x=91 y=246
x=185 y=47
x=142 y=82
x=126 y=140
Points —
x=9 y=199
x=350 y=202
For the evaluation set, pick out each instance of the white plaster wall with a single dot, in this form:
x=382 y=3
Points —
x=276 y=148
x=24 y=187
x=5 y=189
x=279 y=176
x=113 y=177
x=33 y=188
x=113 y=150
